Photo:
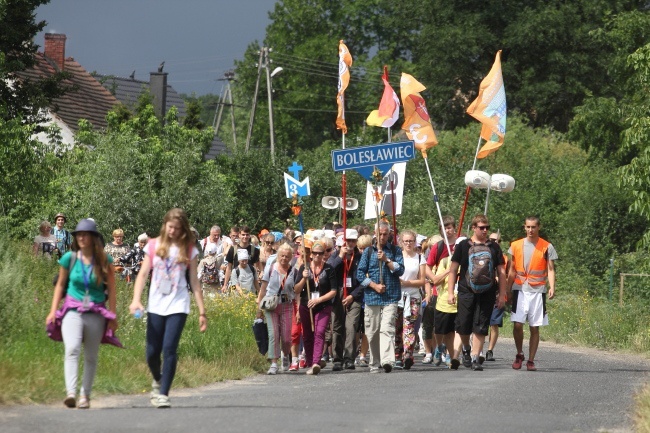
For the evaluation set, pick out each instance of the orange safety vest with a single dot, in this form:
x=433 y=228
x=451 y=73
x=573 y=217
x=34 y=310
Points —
x=537 y=268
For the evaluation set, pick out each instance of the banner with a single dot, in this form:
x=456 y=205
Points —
x=416 y=117
x=398 y=174
x=388 y=112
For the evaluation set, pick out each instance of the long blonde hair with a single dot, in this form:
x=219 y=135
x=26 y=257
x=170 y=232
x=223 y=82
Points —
x=186 y=240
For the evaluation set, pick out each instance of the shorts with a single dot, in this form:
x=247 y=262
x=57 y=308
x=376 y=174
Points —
x=428 y=319
x=529 y=306
x=497 y=317
x=445 y=322
x=474 y=312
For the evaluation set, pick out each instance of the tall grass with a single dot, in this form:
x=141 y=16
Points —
x=31 y=365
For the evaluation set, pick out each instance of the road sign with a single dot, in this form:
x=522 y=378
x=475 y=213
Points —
x=366 y=158
x=293 y=184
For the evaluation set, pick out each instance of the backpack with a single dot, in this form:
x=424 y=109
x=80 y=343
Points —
x=480 y=272
x=210 y=273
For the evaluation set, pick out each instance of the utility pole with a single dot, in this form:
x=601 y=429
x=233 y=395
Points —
x=226 y=93
x=254 y=105
x=269 y=91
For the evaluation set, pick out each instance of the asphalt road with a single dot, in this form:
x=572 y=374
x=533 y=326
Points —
x=574 y=390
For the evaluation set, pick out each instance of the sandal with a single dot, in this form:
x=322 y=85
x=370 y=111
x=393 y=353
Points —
x=84 y=403
x=70 y=400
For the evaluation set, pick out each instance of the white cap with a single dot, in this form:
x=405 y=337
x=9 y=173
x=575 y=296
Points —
x=351 y=234
x=419 y=239
x=211 y=249
x=317 y=234
x=297 y=234
x=242 y=254
x=330 y=234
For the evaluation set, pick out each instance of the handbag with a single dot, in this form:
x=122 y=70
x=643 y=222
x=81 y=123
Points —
x=269 y=302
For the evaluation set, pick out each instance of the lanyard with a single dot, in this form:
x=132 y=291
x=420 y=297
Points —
x=86 y=275
x=316 y=275
x=346 y=269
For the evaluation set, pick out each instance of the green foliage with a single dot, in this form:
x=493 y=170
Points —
x=193 y=118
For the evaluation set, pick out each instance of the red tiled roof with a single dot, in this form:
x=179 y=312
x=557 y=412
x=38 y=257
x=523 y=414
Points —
x=87 y=100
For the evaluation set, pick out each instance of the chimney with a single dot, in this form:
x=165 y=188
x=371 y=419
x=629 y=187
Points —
x=55 y=48
x=158 y=88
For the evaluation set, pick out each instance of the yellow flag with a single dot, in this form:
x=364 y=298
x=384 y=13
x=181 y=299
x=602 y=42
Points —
x=345 y=61
x=416 y=117
x=489 y=108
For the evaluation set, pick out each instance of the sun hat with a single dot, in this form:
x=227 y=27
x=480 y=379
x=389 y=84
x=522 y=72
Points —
x=62 y=215
x=86 y=225
x=296 y=235
x=211 y=249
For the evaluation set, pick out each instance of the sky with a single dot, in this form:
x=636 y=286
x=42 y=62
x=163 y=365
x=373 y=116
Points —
x=199 y=40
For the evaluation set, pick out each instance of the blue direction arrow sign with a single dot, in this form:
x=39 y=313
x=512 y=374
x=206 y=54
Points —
x=366 y=158
x=293 y=184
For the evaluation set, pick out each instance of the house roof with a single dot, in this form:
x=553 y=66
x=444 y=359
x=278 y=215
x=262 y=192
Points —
x=128 y=90
x=86 y=100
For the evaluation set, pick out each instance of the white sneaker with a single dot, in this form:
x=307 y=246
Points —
x=285 y=363
x=155 y=389
x=273 y=370
x=161 y=402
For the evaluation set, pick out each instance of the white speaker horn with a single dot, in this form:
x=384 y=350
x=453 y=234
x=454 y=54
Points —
x=330 y=202
x=350 y=203
x=502 y=183
x=477 y=179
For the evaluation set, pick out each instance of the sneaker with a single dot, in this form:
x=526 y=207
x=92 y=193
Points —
x=349 y=365
x=285 y=363
x=489 y=356
x=315 y=369
x=162 y=402
x=302 y=363
x=375 y=369
x=530 y=366
x=322 y=363
x=84 y=402
x=398 y=365
x=448 y=361
x=477 y=366
x=70 y=400
x=325 y=358
x=427 y=359
x=293 y=366
x=273 y=370
x=519 y=359
x=481 y=358
x=337 y=366
x=467 y=359
x=388 y=367
x=363 y=362
x=155 y=389
x=454 y=364
x=437 y=357
x=408 y=363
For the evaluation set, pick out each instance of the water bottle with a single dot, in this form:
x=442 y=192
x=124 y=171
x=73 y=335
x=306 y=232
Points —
x=138 y=314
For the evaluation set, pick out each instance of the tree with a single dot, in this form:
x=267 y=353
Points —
x=24 y=98
x=193 y=118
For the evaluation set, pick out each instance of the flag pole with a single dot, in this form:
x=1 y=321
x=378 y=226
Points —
x=304 y=261
x=436 y=201
x=392 y=190
x=468 y=189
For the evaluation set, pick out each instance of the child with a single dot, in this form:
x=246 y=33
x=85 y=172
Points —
x=208 y=272
x=245 y=276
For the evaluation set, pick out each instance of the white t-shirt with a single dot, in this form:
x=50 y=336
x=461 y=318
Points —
x=245 y=278
x=178 y=300
x=411 y=269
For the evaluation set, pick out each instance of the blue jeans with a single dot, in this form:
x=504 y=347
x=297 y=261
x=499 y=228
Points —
x=163 y=336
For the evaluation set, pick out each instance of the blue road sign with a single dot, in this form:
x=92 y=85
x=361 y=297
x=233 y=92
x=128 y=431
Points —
x=366 y=158
x=293 y=184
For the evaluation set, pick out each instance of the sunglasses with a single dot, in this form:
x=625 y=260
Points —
x=329 y=250
x=317 y=253
x=268 y=243
x=483 y=227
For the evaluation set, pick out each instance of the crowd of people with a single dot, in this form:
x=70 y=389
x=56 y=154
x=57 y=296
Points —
x=342 y=295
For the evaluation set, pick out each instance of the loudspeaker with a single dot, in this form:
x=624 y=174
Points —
x=477 y=179
x=502 y=183
x=330 y=202
x=350 y=203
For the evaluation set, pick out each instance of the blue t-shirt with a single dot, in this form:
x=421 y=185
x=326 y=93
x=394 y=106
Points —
x=76 y=286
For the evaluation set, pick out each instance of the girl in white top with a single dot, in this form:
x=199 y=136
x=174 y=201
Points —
x=412 y=281
x=169 y=255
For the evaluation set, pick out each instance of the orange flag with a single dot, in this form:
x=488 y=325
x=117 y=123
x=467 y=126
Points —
x=345 y=61
x=489 y=108
x=416 y=118
x=388 y=111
